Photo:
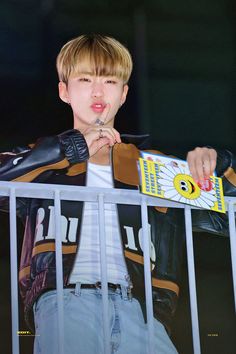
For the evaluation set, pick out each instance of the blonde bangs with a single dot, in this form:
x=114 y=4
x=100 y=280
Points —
x=96 y=55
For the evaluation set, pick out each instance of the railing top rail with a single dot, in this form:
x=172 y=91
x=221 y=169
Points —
x=76 y=193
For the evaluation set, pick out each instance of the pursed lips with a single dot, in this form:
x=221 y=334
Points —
x=98 y=107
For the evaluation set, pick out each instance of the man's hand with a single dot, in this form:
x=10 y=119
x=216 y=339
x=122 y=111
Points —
x=202 y=163
x=98 y=136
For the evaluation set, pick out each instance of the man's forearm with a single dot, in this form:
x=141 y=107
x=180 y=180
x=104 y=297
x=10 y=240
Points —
x=48 y=154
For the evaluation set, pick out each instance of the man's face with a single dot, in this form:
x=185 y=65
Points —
x=92 y=96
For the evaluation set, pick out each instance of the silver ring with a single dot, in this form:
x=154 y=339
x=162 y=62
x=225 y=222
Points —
x=99 y=122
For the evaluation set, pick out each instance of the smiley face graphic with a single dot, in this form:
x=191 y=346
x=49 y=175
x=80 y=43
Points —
x=185 y=186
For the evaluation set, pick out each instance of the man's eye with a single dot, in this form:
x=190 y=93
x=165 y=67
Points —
x=111 y=82
x=84 y=79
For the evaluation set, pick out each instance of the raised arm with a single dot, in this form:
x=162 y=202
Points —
x=47 y=155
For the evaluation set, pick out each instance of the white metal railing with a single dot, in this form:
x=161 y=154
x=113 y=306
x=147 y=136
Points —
x=102 y=195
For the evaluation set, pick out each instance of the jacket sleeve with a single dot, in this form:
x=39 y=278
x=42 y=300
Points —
x=48 y=154
x=210 y=221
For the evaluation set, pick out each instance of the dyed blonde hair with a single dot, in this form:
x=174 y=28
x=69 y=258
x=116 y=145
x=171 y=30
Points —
x=96 y=55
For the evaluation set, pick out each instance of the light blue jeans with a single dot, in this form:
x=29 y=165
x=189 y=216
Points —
x=83 y=325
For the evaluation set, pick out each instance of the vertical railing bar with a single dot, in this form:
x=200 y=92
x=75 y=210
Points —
x=59 y=271
x=102 y=239
x=147 y=275
x=14 y=273
x=192 y=280
x=232 y=235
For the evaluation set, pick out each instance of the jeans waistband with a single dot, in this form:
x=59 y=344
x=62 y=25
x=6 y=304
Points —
x=97 y=285
x=123 y=290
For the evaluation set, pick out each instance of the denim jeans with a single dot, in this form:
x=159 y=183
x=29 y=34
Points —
x=83 y=325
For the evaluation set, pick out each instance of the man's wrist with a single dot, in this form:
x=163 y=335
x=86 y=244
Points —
x=225 y=160
x=74 y=146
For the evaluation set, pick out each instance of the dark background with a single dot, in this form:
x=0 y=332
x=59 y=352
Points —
x=182 y=91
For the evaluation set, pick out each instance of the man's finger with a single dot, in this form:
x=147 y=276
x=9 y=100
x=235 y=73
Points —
x=206 y=165
x=213 y=159
x=105 y=132
x=102 y=118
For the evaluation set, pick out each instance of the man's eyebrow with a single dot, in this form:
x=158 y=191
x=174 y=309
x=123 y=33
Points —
x=85 y=72
x=91 y=73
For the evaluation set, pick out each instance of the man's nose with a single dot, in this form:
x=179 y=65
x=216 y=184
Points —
x=97 y=89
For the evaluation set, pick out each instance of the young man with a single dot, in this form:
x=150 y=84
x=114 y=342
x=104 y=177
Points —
x=94 y=71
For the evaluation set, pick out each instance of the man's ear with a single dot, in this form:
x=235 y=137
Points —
x=124 y=94
x=63 y=93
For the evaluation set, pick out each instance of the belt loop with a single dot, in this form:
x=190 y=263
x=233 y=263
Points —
x=124 y=294
x=78 y=289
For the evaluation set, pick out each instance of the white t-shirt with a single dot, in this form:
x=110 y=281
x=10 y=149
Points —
x=87 y=267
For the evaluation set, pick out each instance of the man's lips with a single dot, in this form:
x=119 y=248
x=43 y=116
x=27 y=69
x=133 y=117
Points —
x=98 y=107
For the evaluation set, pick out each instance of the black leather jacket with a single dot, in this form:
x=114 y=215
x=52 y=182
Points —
x=62 y=160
